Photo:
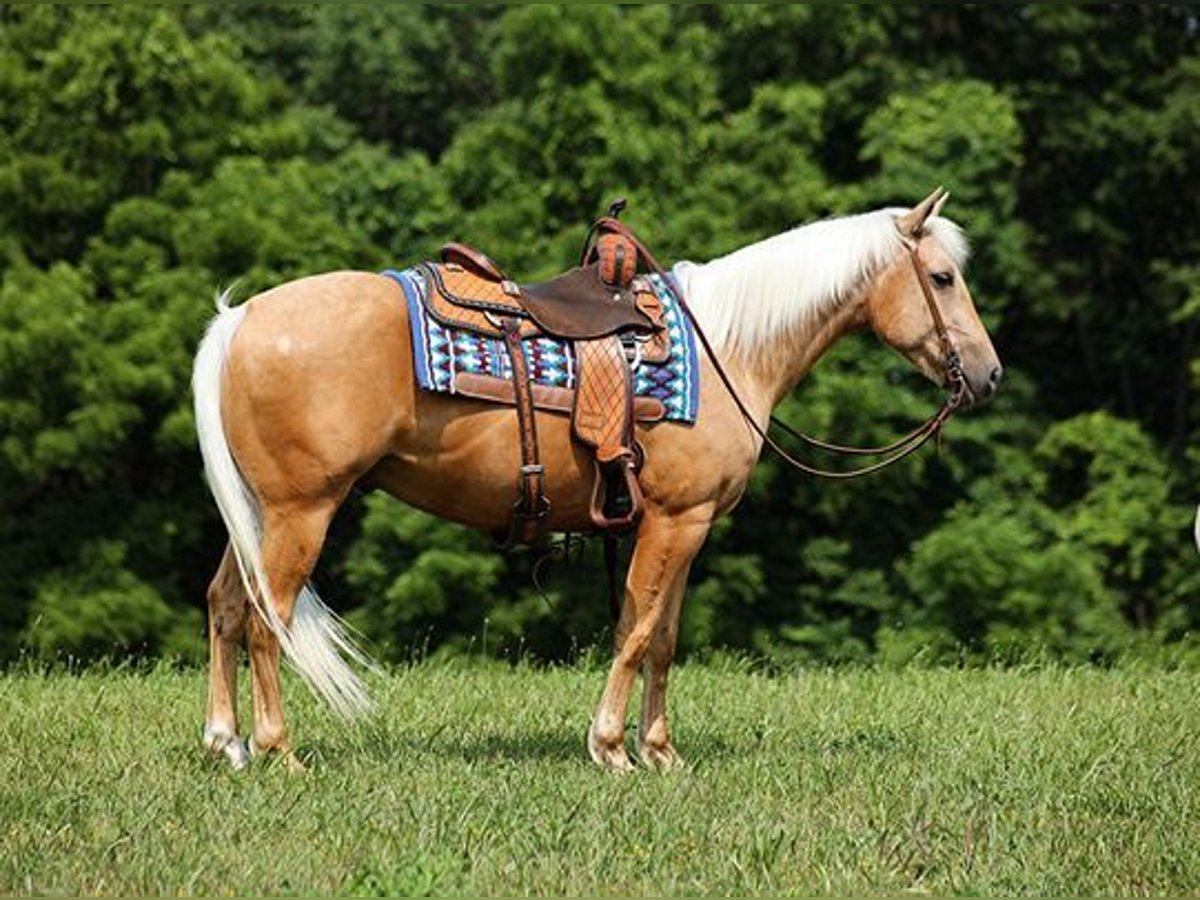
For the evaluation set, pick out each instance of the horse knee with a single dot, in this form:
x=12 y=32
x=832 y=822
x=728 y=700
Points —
x=637 y=643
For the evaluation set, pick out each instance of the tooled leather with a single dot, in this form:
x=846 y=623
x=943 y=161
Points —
x=545 y=397
x=473 y=306
x=468 y=257
x=618 y=259
x=603 y=415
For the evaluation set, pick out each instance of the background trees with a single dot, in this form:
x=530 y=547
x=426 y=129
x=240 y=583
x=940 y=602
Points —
x=149 y=156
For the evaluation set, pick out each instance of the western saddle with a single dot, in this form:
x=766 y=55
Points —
x=613 y=317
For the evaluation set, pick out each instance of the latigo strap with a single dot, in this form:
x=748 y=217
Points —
x=531 y=510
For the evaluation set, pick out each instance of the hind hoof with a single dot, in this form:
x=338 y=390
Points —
x=220 y=741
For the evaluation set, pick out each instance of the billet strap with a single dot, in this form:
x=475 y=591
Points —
x=531 y=510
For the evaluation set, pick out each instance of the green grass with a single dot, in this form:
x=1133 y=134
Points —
x=473 y=779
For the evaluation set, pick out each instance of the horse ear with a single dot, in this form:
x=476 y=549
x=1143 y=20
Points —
x=937 y=207
x=911 y=223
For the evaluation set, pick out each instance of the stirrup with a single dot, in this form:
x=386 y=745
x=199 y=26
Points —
x=617 y=501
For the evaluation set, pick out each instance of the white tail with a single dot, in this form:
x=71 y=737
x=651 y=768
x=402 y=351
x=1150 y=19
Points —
x=317 y=643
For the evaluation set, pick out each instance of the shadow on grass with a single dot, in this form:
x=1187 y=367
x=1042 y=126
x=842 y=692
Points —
x=478 y=745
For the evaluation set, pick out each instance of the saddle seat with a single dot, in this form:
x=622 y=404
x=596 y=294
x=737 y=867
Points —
x=576 y=305
x=611 y=315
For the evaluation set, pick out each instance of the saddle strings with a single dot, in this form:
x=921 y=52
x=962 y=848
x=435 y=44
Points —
x=898 y=449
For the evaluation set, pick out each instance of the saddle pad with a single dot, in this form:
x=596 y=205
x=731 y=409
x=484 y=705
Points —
x=442 y=354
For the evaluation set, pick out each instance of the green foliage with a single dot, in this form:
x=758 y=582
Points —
x=999 y=580
x=99 y=608
x=150 y=156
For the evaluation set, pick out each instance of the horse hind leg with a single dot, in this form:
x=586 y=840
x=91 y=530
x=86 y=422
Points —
x=228 y=607
x=292 y=540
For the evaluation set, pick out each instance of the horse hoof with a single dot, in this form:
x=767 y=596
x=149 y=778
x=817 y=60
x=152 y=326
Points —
x=608 y=756
x=220 y=741
x=662 y=758
x=284 y=756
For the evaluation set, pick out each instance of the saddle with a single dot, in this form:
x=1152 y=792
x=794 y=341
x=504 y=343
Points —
x=613 y=318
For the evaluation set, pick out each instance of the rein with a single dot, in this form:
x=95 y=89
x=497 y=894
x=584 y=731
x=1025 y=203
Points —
x=893 y=452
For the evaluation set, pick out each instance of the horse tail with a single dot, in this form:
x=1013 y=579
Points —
x=317 y=643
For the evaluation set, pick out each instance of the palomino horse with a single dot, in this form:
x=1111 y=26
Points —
x=308 y=390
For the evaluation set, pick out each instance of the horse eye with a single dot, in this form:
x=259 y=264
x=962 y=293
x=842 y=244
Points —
x=942 y=279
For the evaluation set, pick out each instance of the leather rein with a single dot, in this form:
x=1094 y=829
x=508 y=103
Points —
x=893 y=452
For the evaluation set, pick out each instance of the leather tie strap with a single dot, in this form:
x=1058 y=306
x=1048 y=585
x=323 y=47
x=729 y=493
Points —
x=531 y=509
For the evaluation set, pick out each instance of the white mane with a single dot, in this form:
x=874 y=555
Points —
x=747 y=297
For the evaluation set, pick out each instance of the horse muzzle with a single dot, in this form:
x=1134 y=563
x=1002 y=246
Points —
x=979 y=382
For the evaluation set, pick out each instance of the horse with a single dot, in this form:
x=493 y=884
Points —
x=306 y=391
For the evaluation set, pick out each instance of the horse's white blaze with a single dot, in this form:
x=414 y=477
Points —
x=317 y=643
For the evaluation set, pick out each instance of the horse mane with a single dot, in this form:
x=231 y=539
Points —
x=746 y=298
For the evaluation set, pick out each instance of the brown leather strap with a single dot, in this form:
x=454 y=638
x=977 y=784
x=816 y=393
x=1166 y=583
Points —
x=470 y=258
x=950 y=355
x=531 y=510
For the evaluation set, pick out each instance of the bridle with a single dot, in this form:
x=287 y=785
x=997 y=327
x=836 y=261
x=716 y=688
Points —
x=893 y=452
x=898 y=449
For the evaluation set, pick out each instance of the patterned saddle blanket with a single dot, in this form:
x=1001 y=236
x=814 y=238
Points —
x=475 y=364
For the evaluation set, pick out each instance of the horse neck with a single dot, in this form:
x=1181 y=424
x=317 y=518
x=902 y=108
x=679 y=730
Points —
x=768 y=364
x=793 y=354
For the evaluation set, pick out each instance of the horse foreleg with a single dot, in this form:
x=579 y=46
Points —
x=227 y=609
x=292 y=540
x=655 y=748
x=662 y=556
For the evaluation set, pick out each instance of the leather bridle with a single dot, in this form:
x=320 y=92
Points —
x=893 y=452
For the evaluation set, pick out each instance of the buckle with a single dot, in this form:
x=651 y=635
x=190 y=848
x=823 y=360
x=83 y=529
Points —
x=632 y=347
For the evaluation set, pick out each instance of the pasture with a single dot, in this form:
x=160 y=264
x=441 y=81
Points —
x=473 y=779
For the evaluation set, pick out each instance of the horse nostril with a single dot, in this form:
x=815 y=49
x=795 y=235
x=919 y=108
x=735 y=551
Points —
x=989 y=388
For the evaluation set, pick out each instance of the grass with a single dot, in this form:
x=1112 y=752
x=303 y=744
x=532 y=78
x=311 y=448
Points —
x=472 y=779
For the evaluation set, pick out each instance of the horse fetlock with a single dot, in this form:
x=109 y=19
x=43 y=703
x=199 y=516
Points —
x=608 y=752
x=221 y=740
x=662 y=757
x=265 y=742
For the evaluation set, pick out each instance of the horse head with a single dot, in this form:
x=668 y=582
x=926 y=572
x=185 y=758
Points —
x=921 y=305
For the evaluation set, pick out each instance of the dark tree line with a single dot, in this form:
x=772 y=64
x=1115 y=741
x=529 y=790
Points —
x=149 y=155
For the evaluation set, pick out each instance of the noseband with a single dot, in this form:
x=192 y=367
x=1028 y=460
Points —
x=893 y=452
